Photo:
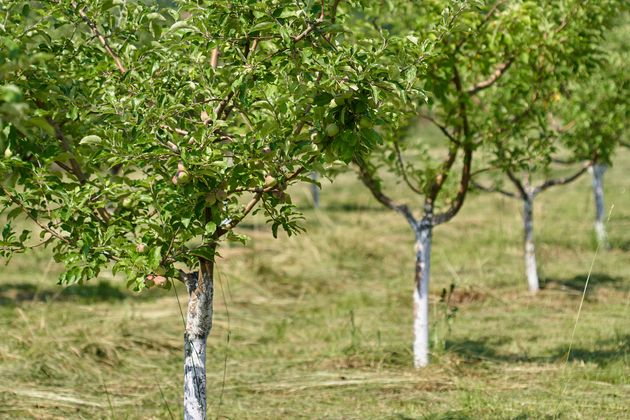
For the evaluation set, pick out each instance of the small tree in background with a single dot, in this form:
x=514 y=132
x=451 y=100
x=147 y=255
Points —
x=579 y=126
x=486 y=81
x=210 y=110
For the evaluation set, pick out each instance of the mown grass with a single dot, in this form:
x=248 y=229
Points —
x=318 y=326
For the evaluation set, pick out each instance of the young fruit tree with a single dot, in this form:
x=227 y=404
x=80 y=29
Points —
x=598 y=109
x=579 y=126
x=485 y=77
x=208 y=111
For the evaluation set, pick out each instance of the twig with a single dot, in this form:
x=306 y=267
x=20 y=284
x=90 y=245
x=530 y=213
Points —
x=100 y=37
x=496 y=75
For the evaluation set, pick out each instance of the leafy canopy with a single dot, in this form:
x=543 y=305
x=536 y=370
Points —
x=142 y=133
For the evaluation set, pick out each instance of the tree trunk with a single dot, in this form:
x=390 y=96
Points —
x=530 y=250
x=198 y=326
x=421 y=292
x=598 y=193
x=315 y=191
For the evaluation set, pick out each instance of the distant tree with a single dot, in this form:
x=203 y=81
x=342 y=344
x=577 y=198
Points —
x=486 y=81
x=209 y=110
x=579 y=126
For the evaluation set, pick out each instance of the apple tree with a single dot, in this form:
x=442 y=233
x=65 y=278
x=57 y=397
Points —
x=579 y=124
x=208 y=110
x=485 y=82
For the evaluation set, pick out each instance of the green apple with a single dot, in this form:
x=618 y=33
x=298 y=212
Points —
x=332 y=130
x=211 y=198
x=270 y=181
x=183 y=177
x=365 y=122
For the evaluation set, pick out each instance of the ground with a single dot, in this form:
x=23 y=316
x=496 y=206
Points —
x=319 y=325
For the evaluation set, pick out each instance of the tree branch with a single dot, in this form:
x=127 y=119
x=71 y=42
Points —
x=99 y=36
x=440 y=179
x=441 y=126
x=34 y=219
x=401 y=164
x=496 y=75
x=368 y=180
x=562 y=181
x=464 y=182
x=517 y=183
x=493 y=189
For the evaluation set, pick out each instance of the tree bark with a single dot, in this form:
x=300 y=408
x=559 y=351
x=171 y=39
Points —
x=423 y=231
x=198 y=327
x=598 y=193
x=531 y=267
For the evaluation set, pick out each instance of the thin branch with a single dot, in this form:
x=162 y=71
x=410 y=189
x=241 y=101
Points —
x=100 y=37
x=517 y=183
x=440 y=179
x=310 y=28
x=366 y=177
x=493 y=189
x=486 y=19
x=74 y=168
x=258 y=195
x=34 y=219
x=496 y=75
x=562 y=181
x=441 y=126
x=401 y=164
x=464 y=183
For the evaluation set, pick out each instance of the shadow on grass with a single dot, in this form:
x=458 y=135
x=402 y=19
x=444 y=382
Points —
x=487 y=349
x=577 y=282
x=602 y=353
x=16 y=293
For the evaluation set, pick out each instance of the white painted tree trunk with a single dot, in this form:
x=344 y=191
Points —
x=598 y=193
x=530 y=250
x=198 y=326
x=421 y=293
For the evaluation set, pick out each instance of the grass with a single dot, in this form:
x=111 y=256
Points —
x=319 y=326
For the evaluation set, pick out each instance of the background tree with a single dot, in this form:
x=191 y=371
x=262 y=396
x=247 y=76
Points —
x=211 y=110
x=578 y=126
x=486 y=81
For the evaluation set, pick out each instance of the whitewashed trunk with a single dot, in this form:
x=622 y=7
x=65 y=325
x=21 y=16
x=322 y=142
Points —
x=530 y=250
x=198 y=326
x=598 y=193
x=421 y=293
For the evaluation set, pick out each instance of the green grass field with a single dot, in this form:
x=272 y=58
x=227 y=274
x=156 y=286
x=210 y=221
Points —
x=319 y=326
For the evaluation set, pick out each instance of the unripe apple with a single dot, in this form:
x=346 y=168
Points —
x=174 y=180
x=160 y=271
x=365 y=122
x=270 y=181
x=141 y=248
x=183 y=177
x=127 y=202
x=221 y=194
x=180 y=167
x=8 y=153
x=211 y=198
x=332 y=130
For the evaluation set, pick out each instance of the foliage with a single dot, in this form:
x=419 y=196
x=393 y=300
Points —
x=490 y=82
x=200 y=106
